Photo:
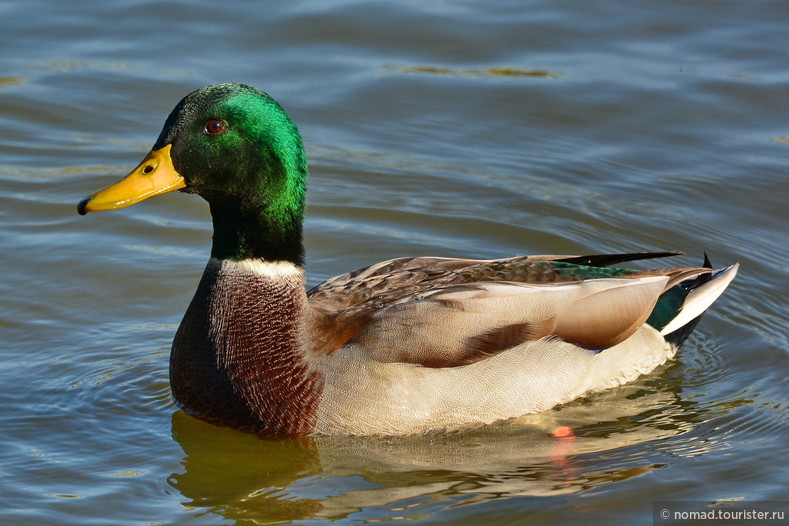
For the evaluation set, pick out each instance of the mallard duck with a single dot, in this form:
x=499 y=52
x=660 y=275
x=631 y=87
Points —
x=403 y=346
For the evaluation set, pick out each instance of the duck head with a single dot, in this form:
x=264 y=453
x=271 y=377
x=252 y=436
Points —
x=236 y=147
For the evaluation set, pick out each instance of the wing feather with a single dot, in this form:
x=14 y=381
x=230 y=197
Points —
x=461 y=310
x=461 y=325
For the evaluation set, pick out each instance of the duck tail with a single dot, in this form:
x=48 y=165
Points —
x=680 y=308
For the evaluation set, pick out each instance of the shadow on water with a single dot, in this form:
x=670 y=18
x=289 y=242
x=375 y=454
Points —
x=245 y=477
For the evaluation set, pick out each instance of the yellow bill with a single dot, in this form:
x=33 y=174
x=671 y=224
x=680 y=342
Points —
x=155 y=175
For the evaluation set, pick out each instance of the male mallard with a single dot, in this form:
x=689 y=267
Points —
x=403 y=346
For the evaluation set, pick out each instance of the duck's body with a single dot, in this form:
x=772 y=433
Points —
x=404 y=346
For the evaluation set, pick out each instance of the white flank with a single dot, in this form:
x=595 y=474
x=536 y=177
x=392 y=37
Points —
x=699 y=299
x=269 y=269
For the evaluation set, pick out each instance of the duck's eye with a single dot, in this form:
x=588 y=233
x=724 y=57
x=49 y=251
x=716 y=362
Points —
x=215 y=127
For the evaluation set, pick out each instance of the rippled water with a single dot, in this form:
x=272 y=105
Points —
x=445 y=128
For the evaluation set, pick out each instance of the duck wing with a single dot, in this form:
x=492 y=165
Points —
x=444 y=312
x=463 y=324
x=404 y=276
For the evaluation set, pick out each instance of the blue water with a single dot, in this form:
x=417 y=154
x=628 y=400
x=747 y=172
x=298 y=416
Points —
x=446 y=128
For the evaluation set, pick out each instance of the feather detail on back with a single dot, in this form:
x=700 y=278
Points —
x=443 y=312
x=466 y=323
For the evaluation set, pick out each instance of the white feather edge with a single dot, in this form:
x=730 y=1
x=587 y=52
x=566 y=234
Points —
x=269 y=269
x=699 y=299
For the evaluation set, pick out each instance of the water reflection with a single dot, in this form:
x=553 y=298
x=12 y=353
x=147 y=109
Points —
x=241 y=476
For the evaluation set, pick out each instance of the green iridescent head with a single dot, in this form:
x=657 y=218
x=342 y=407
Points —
x=237 y=148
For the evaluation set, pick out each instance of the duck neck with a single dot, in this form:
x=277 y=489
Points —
x=247 y=232
x=238 y=357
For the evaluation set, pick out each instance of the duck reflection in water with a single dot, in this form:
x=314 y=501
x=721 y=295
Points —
x=269 y=479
